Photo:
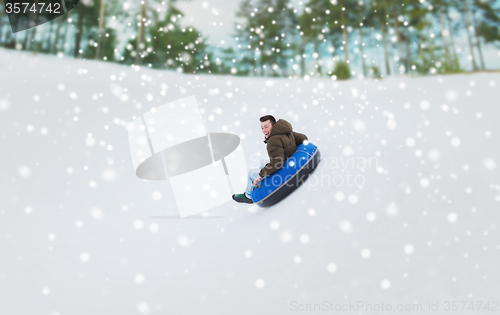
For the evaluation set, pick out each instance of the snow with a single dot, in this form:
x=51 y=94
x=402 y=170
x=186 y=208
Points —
x=385 y=284
x=402 y=208
x=332 y=267
x=409 y=249
x=84 y=257
x=365 y=253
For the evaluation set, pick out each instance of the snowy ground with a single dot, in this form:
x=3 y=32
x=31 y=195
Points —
x=81 y=234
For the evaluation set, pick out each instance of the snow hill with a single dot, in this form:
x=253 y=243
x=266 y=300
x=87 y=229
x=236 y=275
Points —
x=402 y=210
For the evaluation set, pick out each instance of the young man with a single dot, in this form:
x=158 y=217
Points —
x=281 y=142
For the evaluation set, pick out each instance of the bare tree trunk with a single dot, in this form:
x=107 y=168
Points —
x=66 y=34
x=101 y=23
x=452 y=42
x=443 y=28
x=15 y=37
x=371 y=53
x=316 y=63
x=478 y=42
x=32 y=37
x=431 y=42
x=344 y=35
x=261 y=62
x=79 y=33
x=361 y=41
x=386 y=8
x=386 y=53
x=8 y=38
x=46 y=41
x=26 y=39
x=26 y=33
x=396 y=26
x=140 y=34
x=467 y=25
x=56 y=40
x=33 y=30
x=254 y=62
x=316 y=42
x=408 y=52
x=302 y=59
x=1 y=21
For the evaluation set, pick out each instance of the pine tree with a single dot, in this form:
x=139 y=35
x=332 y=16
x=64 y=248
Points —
x=489 y=17
x=488 y=29
x=378 y=20
x=313 y=25
x=447 y=61
x=55 y=46
x=266 y=27
x=142 y=23
x=99 y=31
x=87 y=14
x=360 y=26
x=466 y=13
x=247 y=42
x=274 y=21
x=167 y=45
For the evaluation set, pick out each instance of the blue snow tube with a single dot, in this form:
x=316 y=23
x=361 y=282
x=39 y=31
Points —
x=279 y=184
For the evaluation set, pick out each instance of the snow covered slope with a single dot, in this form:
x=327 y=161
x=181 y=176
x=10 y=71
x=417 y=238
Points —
x=403 y=208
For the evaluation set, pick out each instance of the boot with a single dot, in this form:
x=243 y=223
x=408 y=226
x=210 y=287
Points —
x=242 y=198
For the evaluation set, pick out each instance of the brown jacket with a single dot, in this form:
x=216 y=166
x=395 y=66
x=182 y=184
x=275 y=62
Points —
x=281 y=144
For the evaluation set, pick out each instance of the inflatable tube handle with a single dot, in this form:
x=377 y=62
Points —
x=256 y=186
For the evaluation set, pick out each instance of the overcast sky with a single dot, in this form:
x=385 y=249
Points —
x=214 y=18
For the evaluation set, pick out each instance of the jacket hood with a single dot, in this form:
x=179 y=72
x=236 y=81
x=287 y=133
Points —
x=280 y=127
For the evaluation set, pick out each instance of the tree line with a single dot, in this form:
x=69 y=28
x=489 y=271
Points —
x=329 y=37
x=334 y=38
x=147 y=33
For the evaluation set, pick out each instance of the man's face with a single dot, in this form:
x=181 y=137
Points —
x=266 y=127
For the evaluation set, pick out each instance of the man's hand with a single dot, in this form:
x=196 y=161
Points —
x=258 y=179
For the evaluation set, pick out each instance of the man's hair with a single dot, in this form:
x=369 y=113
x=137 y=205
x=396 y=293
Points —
x=268 y=117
